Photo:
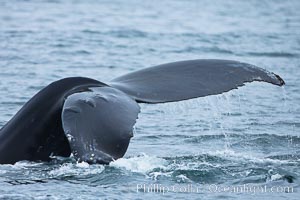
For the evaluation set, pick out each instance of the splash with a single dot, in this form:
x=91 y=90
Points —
x=78 y=169
x=140 y=164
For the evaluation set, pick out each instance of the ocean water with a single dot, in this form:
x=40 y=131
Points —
x=243 y=144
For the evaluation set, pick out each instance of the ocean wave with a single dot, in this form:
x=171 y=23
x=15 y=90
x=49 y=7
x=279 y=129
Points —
x=273 y=54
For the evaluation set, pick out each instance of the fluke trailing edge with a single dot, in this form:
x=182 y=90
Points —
x=94 y=120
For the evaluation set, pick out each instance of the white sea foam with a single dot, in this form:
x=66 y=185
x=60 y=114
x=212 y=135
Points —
x=141 y=164
x=82 y=168
x=26 y=164
x=275 y=177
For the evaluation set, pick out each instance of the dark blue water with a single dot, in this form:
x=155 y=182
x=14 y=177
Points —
x=245 y=138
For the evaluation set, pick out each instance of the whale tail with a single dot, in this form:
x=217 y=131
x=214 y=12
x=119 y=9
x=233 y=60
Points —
x=99 y=122
x=190 y=79
x=94 y=120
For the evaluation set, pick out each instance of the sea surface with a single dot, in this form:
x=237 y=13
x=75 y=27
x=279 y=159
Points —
x=244 y=144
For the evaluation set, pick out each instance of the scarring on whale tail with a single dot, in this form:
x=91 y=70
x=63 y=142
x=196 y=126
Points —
x=94 y=121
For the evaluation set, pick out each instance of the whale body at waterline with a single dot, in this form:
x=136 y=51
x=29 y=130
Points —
x=94 y=120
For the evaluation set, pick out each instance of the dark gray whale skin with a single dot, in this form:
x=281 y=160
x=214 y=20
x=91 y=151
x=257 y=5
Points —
x=35 y=132
x=94 y=121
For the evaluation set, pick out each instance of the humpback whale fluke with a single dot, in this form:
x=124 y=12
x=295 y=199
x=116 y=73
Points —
x=94 y=121
x=190 y=79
